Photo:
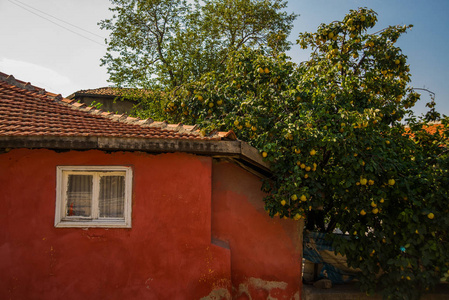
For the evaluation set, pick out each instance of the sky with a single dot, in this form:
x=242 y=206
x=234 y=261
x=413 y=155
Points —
x=57 y=44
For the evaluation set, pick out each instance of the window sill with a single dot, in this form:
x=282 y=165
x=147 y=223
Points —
x=92 y=224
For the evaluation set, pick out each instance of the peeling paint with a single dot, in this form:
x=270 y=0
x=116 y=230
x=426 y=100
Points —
x=51 y=271
x=147 y=282
x=218 y=294
x=257 y=282
x=257 y=288
x=297 y=297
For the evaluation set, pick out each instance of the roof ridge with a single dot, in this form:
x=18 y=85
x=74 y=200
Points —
x=10 y=79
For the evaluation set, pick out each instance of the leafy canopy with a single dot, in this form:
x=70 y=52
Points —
x=166 y=43
x=337 y=129
x=333 y=130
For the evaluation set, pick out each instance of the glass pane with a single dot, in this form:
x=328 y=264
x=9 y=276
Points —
x=112 y=196
x=79 y=195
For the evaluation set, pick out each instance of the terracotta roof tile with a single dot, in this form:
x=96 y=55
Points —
x=434 y=128
x=107 y=92
x=431 y=128
x=26 y=110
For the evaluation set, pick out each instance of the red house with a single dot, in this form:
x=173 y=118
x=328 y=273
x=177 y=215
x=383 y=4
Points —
x=101 y=206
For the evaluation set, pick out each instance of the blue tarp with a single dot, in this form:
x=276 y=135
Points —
x=314 y=243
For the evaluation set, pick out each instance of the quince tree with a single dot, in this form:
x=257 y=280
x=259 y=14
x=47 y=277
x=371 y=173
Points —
x=343 y=143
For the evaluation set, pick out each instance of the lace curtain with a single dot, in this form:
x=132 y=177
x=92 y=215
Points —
x=107 y=203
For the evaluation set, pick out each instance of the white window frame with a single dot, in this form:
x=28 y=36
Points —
x=62 y=221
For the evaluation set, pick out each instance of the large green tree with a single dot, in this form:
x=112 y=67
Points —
x=161 y=44
x=342 y=140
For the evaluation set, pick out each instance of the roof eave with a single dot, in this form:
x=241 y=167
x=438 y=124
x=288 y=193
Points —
x=236 y=150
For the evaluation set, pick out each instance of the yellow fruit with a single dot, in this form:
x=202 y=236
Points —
x=253 y=128
x=371 y=182
x=211 y=105
x=219 y=102
x=330 y=35
x=397 y=61
x=431 y=216
x=362 y=212
x=297 y=217
x=236 y=122
x=308 y=169
x=303 y=166
x=381 y=200
x=391 y=182
x=375 y=210
x=373 y=204
x=294 y=197
x=199 y=97
x=312 y=152
x=264 y=154
x=363 y=181
x=303 y=198
x=283 y=202
x=297 y=151
x=266 y=70
x=306 y=176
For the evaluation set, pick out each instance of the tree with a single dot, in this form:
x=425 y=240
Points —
x=342 y=140
x=166 y=43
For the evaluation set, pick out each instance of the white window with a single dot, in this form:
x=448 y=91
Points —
x=93 y=196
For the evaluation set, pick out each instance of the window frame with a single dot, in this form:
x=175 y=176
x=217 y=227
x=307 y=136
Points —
x=63 y=221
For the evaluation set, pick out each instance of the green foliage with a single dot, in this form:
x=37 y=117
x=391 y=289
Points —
x=331 y=129
x=166 y=43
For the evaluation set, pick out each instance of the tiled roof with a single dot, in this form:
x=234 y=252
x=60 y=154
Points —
x=108 y=92
x=431 y=128
x=26 y=110
x=434 y=128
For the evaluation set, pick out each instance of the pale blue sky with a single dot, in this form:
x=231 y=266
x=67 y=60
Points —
x=36 y=50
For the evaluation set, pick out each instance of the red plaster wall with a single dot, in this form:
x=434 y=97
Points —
x=166 y=255
x=265 y=252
